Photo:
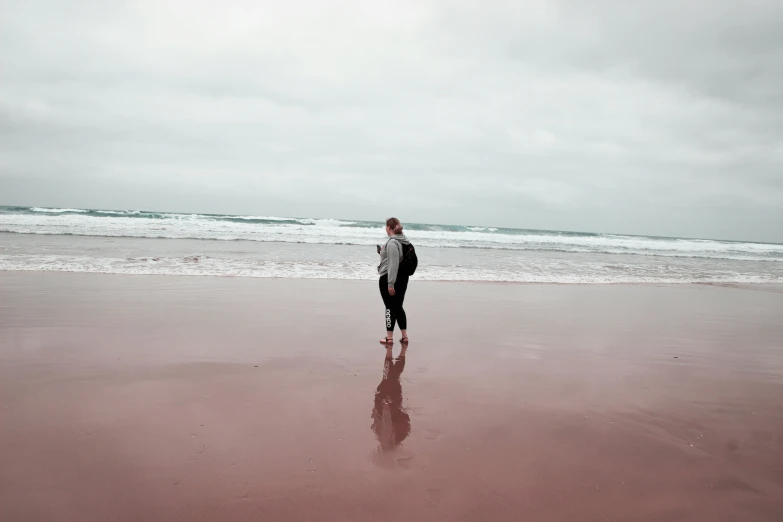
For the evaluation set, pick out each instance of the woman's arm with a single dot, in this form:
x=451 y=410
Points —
x=393 y=255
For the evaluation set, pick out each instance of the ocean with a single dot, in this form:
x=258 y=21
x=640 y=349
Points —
x=164 y=243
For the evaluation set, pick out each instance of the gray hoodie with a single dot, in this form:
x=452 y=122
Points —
x=391 y=255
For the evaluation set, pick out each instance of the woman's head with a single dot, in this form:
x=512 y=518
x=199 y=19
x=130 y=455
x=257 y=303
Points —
x=393 y=226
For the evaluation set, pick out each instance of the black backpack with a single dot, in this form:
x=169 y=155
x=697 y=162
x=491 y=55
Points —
x=409 y=261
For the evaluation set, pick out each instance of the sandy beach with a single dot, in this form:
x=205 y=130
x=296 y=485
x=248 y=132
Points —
x=158 y=398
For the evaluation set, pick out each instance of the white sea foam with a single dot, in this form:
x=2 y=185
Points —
x=58 y=210
x=482 y=229
x=199 y=265
x=123 y=212
x=259 y=218
x=325 y=222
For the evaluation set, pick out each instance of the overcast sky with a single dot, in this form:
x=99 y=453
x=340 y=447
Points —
x=625 y=116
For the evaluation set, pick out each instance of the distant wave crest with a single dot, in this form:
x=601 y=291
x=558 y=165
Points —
x=57 y=210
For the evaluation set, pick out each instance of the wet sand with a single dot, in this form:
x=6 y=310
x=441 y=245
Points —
x=130 y=398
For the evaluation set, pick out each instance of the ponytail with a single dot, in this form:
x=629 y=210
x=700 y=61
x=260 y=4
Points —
x=395 y=225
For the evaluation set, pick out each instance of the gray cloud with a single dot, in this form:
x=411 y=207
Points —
x=636 y=117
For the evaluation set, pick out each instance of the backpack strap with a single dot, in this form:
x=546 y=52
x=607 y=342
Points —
x=402 y=247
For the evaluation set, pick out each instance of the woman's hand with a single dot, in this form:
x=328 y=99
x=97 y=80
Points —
x=391 y=290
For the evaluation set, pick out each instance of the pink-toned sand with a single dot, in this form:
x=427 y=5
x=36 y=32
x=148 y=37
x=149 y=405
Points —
x=127 y=398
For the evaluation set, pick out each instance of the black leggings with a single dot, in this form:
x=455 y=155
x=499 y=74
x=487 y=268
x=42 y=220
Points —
x=394 y=311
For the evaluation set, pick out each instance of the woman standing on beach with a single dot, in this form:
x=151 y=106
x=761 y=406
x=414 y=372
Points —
x=393 y=282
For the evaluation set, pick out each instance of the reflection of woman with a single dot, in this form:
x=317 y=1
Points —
x=390 y=422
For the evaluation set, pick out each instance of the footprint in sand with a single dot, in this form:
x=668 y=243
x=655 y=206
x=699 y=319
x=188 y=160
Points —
x=404 y=462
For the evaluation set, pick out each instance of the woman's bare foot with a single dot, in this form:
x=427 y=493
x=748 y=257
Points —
x=387 y=340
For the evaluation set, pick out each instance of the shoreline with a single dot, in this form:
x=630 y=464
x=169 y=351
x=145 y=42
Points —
x=772 y=287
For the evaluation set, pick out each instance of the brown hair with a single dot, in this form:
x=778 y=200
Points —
x=395 y=225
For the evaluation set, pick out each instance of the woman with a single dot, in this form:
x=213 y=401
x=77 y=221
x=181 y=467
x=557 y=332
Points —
x=393 y=283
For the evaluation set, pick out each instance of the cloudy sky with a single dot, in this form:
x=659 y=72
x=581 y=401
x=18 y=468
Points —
x=623 y=116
